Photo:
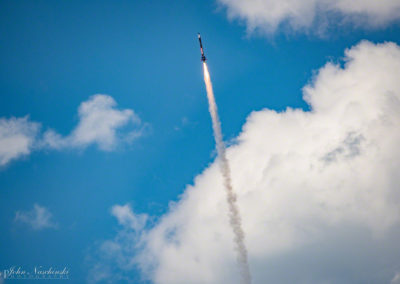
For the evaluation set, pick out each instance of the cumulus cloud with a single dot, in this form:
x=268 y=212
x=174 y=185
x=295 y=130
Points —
x=302 y=15
x=38 y=218
x=100 y=123
x=318 y=190
x=17 y=137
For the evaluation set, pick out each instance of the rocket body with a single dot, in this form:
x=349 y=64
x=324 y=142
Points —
x=203 y=57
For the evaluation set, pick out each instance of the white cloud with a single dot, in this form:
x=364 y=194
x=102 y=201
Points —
x=396 y=279
x=318 y=191
x=127 y=218
x=302 y=15
x=17 y=137
x=38 y=218
x=100 y=123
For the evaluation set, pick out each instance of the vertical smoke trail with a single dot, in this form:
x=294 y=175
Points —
x=234 y=216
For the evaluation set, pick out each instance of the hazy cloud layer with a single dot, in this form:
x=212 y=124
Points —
x=267 y=16
x=100 y=123
x=38 y=218
x=396 y=279
x=318 y=191
x=17 y=137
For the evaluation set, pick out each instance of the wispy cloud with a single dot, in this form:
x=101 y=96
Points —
x=127 y=218
x=267 y=16
x=100 y=123
x=396 y=279
x=17 y=138
x=38 y=218
x=112 y=260
x=317 y=190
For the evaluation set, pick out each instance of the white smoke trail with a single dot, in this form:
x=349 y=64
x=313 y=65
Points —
x=234 y=215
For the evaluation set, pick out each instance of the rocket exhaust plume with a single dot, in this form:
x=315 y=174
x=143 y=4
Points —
x=234 y=215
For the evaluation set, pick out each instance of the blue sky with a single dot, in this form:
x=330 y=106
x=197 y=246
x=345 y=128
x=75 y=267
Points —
x=55 y=55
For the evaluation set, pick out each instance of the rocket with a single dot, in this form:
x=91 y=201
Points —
x=203 y=57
